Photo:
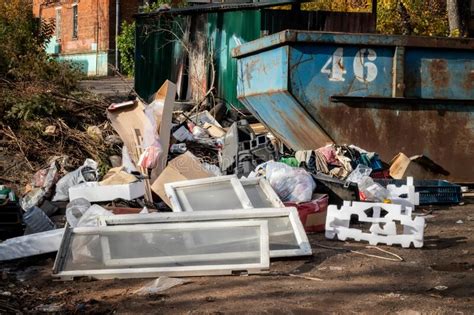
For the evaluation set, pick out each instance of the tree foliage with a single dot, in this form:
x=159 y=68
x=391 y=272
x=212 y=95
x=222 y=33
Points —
x=27 y=73
x=126 y=46
x=424 y=17
x=410 y=17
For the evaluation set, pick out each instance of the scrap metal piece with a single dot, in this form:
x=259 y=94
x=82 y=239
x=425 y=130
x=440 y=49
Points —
x=383 y=219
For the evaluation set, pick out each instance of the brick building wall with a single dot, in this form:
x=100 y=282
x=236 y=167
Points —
x=94 y=45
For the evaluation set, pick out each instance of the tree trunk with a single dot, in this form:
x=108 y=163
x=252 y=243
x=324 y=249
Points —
x=458 y=17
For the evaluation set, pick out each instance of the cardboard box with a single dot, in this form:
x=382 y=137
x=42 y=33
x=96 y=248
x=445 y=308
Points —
x=94 y=192
x=184 y=167
x=418 y=166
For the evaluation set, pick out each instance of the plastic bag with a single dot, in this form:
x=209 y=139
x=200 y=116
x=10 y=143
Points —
x=42 y=183
x=149 y=157
x=359 y=173
x=75 y=210
x=32 y=198
x=159 y=285
x=37 y=221
x=127 y=161
x=89 y=246
x=89 y=217
x=368 y=189
x=46 y=178
x=86 y=173
x=291 y=184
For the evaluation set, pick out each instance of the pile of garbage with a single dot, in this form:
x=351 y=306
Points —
x=193 y=196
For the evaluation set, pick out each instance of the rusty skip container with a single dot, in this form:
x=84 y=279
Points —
x=387 y=94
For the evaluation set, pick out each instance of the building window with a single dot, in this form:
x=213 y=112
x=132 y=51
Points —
x=58 y=24
x=74 y=21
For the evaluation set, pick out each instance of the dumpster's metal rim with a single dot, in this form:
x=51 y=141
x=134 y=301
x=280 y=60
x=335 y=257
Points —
x=295 y=36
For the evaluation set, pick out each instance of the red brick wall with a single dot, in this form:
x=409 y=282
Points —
x=96 y=22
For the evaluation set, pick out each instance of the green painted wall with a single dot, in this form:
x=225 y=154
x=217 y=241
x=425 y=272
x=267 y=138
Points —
x=158 y=54
x=91 y=64
x=229 y=30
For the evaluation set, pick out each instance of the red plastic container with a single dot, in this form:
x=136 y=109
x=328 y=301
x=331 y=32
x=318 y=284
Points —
x=312 y=213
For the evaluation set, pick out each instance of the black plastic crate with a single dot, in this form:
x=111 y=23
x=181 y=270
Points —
x=11 y=222
x=431 y=191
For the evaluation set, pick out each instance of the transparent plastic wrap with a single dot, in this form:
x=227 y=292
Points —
x=37 y=221
x=87 y=246
x=290 y=183
x=368 y=189
x=75 y=210
x=42 y=183
x=359 y=173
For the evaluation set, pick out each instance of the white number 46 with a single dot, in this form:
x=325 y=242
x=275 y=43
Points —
x=365 y=71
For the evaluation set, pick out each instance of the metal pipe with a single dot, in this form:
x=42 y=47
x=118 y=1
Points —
x=117 y=28
x=97 y=30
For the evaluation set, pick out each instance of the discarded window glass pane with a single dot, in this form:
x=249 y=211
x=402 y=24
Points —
x=286 y=233
x=282 y=235
x=257 y=196
x=261 y=193
x=164 y=249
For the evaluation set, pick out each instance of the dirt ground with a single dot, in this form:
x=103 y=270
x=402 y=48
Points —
x=436 y=279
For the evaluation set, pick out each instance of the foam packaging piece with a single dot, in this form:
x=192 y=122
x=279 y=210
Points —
x=383 y=218
x=94 y=192
x=405 y=194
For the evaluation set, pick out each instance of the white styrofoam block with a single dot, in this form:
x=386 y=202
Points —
x=412 y=198
x=383 y=230
x=94 y=192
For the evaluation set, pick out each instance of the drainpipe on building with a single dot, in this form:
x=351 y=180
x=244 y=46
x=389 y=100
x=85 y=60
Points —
x=97 y=32
x=117 y=27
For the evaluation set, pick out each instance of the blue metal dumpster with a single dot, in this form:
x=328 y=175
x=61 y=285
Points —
x=384 y=93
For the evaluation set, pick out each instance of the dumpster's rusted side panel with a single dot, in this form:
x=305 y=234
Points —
x=386 y=94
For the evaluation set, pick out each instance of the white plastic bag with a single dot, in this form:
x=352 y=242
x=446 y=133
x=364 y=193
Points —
x=75 y=210
x=159 y=285
x=290 y=183
x=89 y=218
x=88 y=247
x=127 y=161
x=73 y=178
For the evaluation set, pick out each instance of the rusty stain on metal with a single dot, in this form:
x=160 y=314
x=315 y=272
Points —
x=439 y=73
x=469 y=82
x=367 y=125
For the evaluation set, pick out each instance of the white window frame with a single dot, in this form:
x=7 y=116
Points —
x=184 y=205
x=75 y=20
x=58 y=22
x=224 y=215
x=145 y=272
x=238 y=185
